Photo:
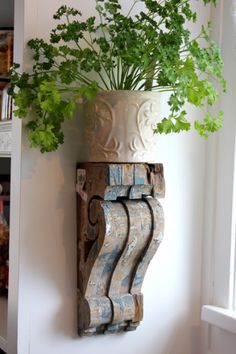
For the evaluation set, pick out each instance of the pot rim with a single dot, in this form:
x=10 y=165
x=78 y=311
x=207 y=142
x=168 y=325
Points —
x=130 y=92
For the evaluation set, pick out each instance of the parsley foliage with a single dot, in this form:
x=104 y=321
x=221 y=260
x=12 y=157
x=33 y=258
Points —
x=148 y=50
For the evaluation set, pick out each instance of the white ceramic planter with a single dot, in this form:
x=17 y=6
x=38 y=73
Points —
x=119 y=126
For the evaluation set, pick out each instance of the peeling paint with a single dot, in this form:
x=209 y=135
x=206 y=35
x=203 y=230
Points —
x=116 y=243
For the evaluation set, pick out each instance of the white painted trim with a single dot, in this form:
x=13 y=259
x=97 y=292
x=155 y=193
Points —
x=14 y=260
x=5 y=138
x=13 y=290
x=219 y=317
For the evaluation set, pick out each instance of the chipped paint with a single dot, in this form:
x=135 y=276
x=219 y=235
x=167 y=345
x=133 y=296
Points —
x=120 y=227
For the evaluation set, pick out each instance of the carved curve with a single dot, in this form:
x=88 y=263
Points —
x=140 y=226
x=119 y=238
x=105 y=251
x=154 y=241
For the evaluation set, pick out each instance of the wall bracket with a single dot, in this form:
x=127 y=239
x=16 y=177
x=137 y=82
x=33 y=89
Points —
x=120 y=226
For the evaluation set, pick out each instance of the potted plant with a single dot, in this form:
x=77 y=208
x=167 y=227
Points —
x=119 y=64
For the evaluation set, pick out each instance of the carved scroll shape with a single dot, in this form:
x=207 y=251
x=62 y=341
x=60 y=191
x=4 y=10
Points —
x=139 y=230
x=100 y=263
x=117 y=240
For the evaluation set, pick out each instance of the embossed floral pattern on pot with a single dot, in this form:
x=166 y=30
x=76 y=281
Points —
x=119 y=126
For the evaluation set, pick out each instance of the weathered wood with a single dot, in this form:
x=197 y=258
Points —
x=120 y=226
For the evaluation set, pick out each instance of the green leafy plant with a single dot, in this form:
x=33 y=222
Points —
x=149 y=50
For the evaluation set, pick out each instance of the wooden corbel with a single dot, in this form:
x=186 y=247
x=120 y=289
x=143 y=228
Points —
x=120 y=226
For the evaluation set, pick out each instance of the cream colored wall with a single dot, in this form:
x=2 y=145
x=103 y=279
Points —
x=47 y=240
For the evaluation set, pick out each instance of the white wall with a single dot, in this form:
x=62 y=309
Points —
x=47 y=264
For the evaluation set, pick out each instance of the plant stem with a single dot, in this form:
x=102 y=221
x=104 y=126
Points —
x=130 y=10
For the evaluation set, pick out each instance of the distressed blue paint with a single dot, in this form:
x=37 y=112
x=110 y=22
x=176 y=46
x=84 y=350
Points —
x=118 y=301
x=109 y=260
x=104 y=304
x=128 y=300
x=111 y=254
x=113 y=328
x=140 y=175
x=125 y=281
x=115 y=174
x=139 y=180
x=106 y=207
x=138 y=280
x=112 y=193
x=138 y=191
x=109 y=182
x=106 y=313
x=148 y=227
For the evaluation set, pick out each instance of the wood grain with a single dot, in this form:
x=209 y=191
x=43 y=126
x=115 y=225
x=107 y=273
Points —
x=120 y=226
